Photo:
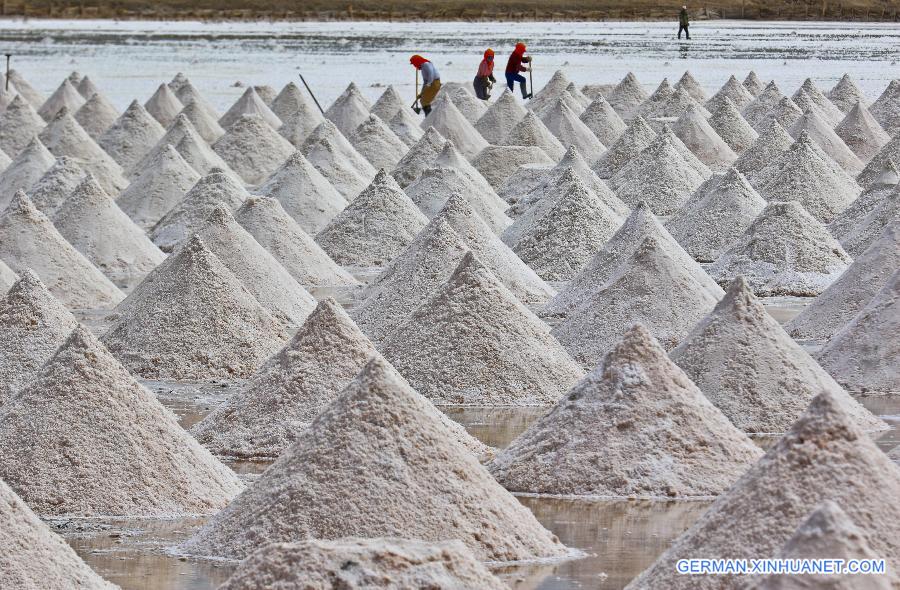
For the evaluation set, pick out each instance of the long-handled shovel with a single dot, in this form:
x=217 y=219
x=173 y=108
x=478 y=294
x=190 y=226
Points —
x=530 y=79
x=311 y=94
x=415 y=104
x=8 y=55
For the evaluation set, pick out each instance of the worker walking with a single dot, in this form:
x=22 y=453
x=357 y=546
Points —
x=683 y=23
x=514 y=69
x=431 y=82
x=484 y=79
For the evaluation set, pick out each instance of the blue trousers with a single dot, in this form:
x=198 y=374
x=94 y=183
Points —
x=512 y=78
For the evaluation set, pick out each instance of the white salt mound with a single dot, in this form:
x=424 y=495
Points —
x=610 y=435
x=732 y=127
x=531 y=131
x=96 y=115
x=861 y=234
x=627 y=97
x=707 y=226
x=496 y=163
x=174 y=134
x=548 y=94
x=102 y=444
x=300 y=117
x=571 y=131
x=638 y=136
x=861 y=133
x=500 y=118
x=700 y=137
x=823 y=134
x=34 y=325
x=871 y=198
x=377 y=143
x=90 y=220
x=252 y=148
x=787 y=112
x=452 y=125
x=187 y=94
x=292 y=101
x=337 y=160
x=603 y=121
x=25 y=170
x=164 y=106
x=349 y=110
x=419 y=157
x=406 y=127
x=205 y=125
x=190 y=214
x=266 y=93
x=753 y=84
x=828 y=111
x=824 y=456
x=65 y=96
x=131 y=137
x=862 y=356
x=197 y=153
x=249 y=104
x=33 y=557
x=773 y=141
x=435 y=186
x=29 y=240
x=523 y=181
x=6 y=96
x=19 y=123
x=885 y=108
x=471 y=108
x=156 y=189
x=846 y=94
x=333 y=483
x=759 y=111
x=785 y=251
x=845 y=297
x=86 y=87
x=884 y=159
x=733 y=91
x=192 y=319
x=650 y=287
x=689 y=84
x=57 y=183
x=388 y=104
x=775 y=380
x=26 y=90
x=267 y=221
x=391 y=564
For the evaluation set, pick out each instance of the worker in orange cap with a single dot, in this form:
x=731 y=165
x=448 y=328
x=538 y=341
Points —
x=431 y=82
x=514 y=69
x=484 y=79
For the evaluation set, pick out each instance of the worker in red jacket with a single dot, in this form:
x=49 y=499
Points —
x=514 y=69
x=484 y=79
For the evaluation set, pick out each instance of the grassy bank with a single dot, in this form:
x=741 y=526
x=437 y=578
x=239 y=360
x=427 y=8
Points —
x=847 y=10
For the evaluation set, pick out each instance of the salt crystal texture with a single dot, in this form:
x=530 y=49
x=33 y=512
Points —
x=828 y=111
x=164 y=106
x=500 y=118
x=337 y=479
x=470 y=107
x=689 y=84
x=833 y=146
x=406 y=127
x=192 y=319
x=867 y=229
x=523 y=181
x=33 y=557
x=699 y=136
x=187 y=94
x=732 y=127
x=158 y=188
x=337 y=160
x=6 y=96
x=759 y=111
x=86 y=87
x=349 y=110
x=249 y=104
x=786 y=251
x=377 y=143
x=496 y=163
x=610 y=434
x=65 y=96
x=877 y=192
x=26 y=169
x=291 y=101
x=388 y=104
x=627 y=97
x=57 y=183
x=531 y=131
x=733 y=91
x=26 y=90
x=102 y=444
x=452 y=125
x=632 y=142
x=886 y=108
x=775 y=380
x=96 y=115
x=571 y=131
x=547 y=95
x=419 y=157
x=204 y=159
x=890 y=153
x=206 y=126
x=603 y=121
x=861 y=133
x=787 y=112
x=386 y=563
x=173 y=135
x=846 y=94
x=252 y=148
x=773 y=141
x=824 y=456
x=19 y=123
x=300 y=118
x=266 y=93
x=131 y=137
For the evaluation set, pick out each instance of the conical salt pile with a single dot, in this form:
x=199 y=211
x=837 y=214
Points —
x=388 y=104
x=639 y=225
x=603 y=121
x=609 y=435
x=650 y=287
x=564 y=98
x=731 y=126
x=845 y=297
x=703 y=141
x=523 y=182
x=505 y=113
x=202 y=158
x=26 y=90
x=19 y=123
x=773 y=141
x=26 y=169
x=675 y=105
x=787 y=112
x=638 y=136
x=266 y=220
x=29 y=240
x=406 y=127
x=409 y=280
x=249 y=104
x=63 y=136
x=547 y=95
x=562 y=232
x=386 y=562
x=734 y=91
x=861 y=133
x=349 y=110
x=627 y=97
x=824 y=456
x=689 y=84
x=886 y=108
x=164 y=106
x=786 y=251
x=56 y=184
x=654 y=102
x=580 y=97
x=268 y=281
x=571 y=131
x=866 y=230
x=774 y=381
x=862 y=356
x=419 y=157
x=101 y=444
x=708 y=226
x=131 y=137
x=297 y=113
x=881 y=189
x=827 y=110
x=828 y=533
x=846 y=94
x=496 y=163
x=206 y=127
x=96 y=115
x=66 y=96
x=158 y=188
x=759 y=112
x=377 y=143
x=470 y=107
x=375 y=227
x=528 y=367
x=252 y=148
x=659 y=176
x=266 y=93
x=178 y=82
x=530 y=131
x=34 y=325
x=886 y=157
x=452 y=125
x=327 y=479
x=92 y=222
x=86 y=87
x=186 y=217
x=807 y=175
x=6 y=96
x=833 y=146
x=346 y=169
x=33 y=557
x=304 y=193
x=187 y=94
x=174 y=134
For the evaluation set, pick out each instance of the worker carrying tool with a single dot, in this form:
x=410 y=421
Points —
x=431 y=83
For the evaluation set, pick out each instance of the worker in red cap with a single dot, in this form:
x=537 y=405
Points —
x=431 y=82
x=514 y=69
x=484 y=79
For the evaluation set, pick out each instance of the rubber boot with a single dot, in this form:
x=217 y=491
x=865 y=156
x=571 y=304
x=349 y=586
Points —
x=524 y=87
x=426 y=109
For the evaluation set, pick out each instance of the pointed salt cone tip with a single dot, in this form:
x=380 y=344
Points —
x=888 y=176
x=636 y=339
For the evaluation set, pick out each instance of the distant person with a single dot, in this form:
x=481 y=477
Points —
x=431 y=82
x=514 y=69
x=484 y=79
x=684 y=23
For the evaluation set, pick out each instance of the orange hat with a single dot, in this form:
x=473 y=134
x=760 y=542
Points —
x=417 y=60
x=488 y=53
x=520 y=48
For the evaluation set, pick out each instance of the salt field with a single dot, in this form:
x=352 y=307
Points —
x=646 y=315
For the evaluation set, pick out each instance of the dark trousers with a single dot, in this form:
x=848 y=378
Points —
x=685 y=29
x=512 y=78
x=481 y=88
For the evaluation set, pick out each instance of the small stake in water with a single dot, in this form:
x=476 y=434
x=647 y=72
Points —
x=302 y=79
x=8 y=55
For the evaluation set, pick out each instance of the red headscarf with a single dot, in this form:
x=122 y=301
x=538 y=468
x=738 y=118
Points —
x=417 y=61
x=489 y=53
x=520 y=48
